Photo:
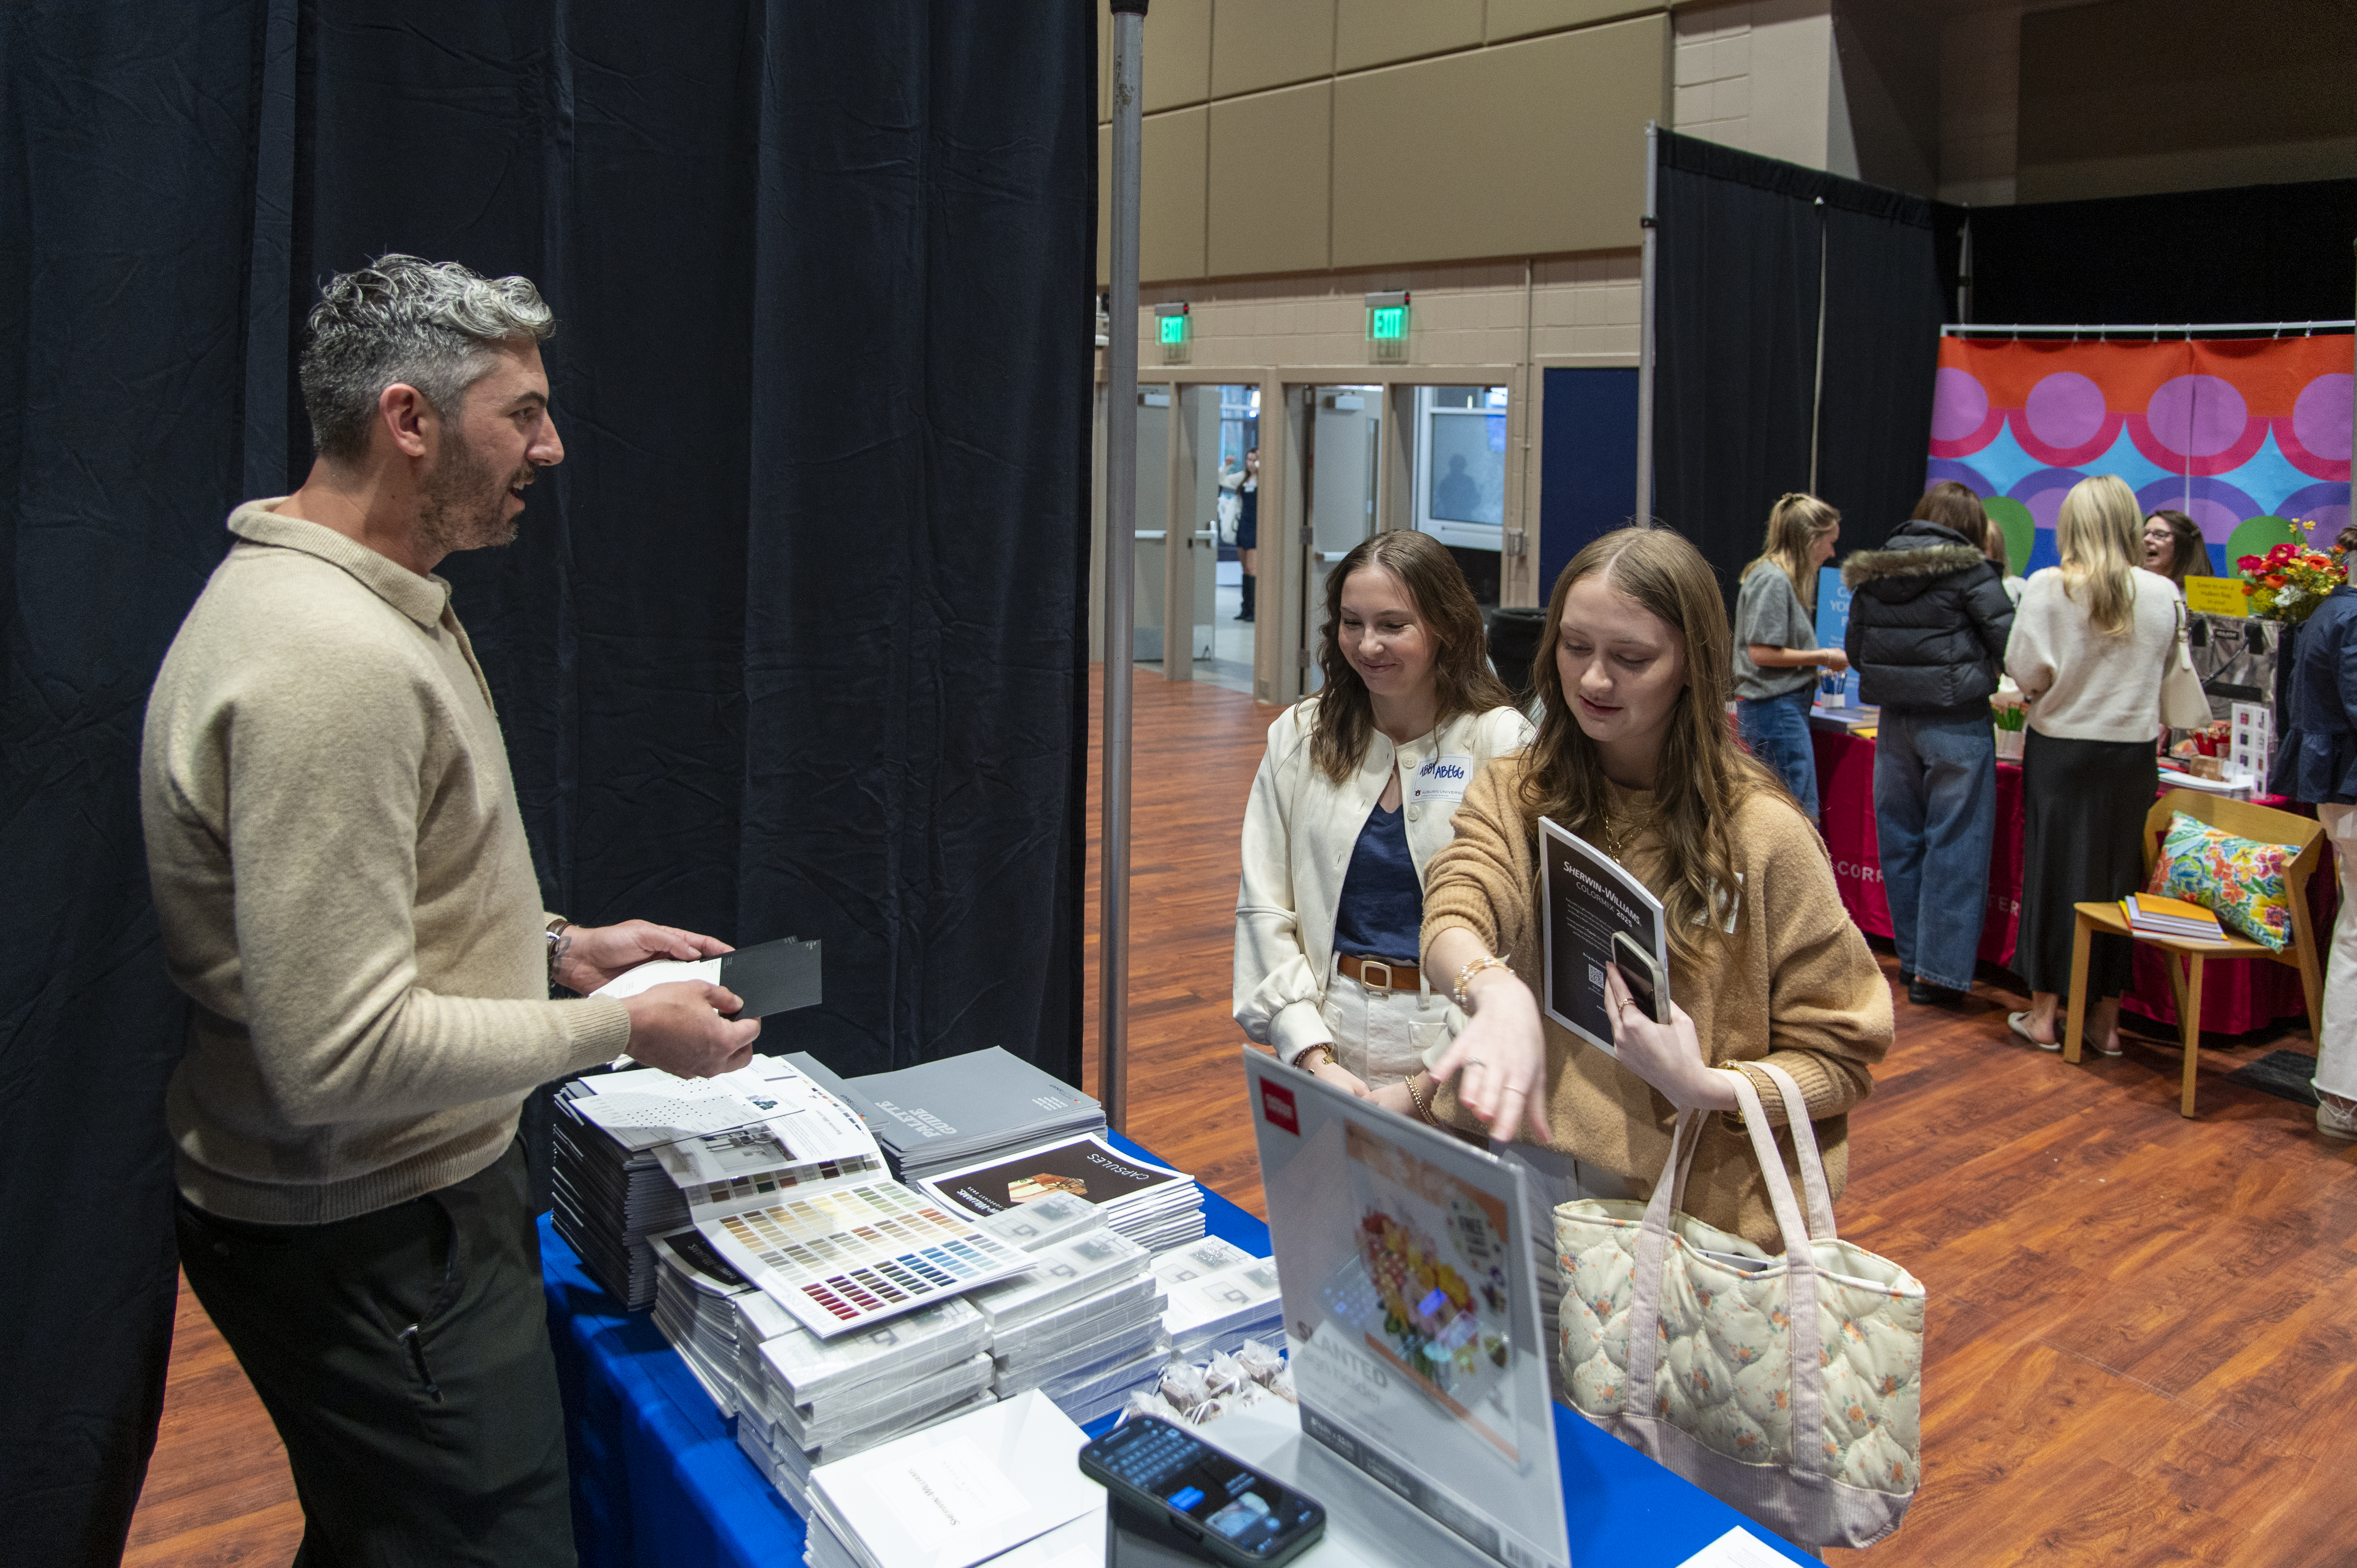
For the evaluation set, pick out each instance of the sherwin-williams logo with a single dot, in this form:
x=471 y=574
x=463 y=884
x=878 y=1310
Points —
x=1277 y=1106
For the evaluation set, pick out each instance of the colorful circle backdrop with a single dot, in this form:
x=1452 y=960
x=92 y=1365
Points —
x=2224 y=430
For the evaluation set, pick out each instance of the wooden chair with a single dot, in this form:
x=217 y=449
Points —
x=2261 y=823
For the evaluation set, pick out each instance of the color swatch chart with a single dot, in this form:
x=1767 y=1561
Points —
x=841 y=1258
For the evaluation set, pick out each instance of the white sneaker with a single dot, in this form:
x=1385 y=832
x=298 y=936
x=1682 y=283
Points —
x=2333 y=1122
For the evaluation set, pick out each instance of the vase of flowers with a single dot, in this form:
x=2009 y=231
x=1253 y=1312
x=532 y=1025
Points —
x=2289 y=580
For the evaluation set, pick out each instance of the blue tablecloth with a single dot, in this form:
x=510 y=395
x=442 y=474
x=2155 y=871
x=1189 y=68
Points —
x=658 y=1478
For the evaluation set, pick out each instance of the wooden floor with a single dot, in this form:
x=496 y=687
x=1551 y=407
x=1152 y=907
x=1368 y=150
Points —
x=2143 y=1344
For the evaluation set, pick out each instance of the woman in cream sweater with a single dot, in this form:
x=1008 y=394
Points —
x=1634 y=755
x=1352 y=803
x=2091 y=643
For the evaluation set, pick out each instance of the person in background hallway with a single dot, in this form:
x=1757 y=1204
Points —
x=1350 y=806
x=1999 y=551
x=1929 y=617
x=2091 y=643
x=2316 y=760
x=345 y=891
x=2173 y=548
x=1776 y=657
x=1634 y=755
x=1245 y=481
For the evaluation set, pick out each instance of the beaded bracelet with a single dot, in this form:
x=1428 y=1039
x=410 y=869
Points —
x=1303 y=1055
x=1417 y=1101
x=1465 y=975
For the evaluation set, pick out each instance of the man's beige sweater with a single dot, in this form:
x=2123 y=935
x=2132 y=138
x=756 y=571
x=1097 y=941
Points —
x=1794 y=985
x=344 y=888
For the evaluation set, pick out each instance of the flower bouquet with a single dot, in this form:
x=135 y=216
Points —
x=2289 y=581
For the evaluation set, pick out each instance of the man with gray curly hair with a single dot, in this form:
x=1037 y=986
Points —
x=346 y=893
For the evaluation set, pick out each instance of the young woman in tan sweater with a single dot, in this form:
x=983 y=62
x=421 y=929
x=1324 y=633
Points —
x=1633 y=755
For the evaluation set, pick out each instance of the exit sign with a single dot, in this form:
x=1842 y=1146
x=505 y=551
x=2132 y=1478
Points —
x=1387 y=325
x=1390 y=321
x=1174 y=329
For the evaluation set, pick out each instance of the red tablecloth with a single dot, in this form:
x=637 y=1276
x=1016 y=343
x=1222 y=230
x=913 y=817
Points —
x=2235 y=997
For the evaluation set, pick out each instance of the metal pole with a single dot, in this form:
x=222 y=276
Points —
x=1120 y=579
x=1817 y=388
x=1649 y=222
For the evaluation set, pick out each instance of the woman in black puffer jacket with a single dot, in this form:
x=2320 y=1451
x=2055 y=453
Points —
x=1928 y=623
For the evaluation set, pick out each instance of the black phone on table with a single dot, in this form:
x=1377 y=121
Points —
x=1638 y=974
x=1229 y=1510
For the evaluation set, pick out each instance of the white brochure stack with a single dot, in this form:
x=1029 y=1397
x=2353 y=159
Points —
x=997 y=1485
x=1084 y=1327
x=804 y=1401
x=1221 y=1298
x=1153 y=1205
x=695 y=1307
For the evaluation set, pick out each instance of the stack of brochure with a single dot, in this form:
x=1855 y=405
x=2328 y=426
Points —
x=998 y=1483
x=809 y=1399
x=642 y=1152
x=1152 y=1205
x=1084 y=1327
x=1222 y=1297
x=964 y=1109
x=2149 y=914
x=695 y=1308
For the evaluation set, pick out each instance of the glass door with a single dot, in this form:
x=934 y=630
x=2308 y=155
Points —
x=1459 y=483
x=1345 y=482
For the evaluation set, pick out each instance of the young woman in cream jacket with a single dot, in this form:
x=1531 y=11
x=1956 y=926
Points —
x=1352 y=803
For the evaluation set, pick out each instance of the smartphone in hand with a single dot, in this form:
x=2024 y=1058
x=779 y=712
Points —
x=1637 y=972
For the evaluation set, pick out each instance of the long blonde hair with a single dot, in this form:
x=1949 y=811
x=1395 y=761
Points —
x=1795 y=525
x=2099 y=534
x=1703 y=775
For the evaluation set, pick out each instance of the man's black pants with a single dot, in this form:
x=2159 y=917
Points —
x=404 y=1356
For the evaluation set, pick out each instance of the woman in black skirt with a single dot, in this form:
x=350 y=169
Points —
x=2090 y=645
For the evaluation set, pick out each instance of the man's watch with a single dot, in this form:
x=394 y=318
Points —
x=556 y=943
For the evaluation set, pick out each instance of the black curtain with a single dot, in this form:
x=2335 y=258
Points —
x=793 y=642
x=2258 y=253
x=1736 y=340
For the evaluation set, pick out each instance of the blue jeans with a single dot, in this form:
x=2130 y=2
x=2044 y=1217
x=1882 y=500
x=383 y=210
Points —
x=1777 y=731
x=1935 y=818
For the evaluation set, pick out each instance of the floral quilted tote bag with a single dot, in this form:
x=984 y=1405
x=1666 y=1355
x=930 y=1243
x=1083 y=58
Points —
x=1788 y=1387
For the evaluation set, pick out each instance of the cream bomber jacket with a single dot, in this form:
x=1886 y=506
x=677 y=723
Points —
x=1299 y=830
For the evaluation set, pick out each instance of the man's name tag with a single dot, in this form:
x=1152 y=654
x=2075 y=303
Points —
x=1442 y=778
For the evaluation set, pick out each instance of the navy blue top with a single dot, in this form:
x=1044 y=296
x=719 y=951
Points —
x=1382 y=911
x=2316 y=755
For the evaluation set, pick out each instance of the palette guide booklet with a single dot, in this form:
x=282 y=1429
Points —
x=785 y=1183
x=965 y=1109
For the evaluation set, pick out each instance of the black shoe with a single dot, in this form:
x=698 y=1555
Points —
x=1923 y=993
x=1906 y=976
x=1243 y=617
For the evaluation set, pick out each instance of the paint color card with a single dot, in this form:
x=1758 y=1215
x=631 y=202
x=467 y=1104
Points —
x=845 y=1257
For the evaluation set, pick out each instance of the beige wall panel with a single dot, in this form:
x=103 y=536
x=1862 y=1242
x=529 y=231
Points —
x=1170 y=180
x=1258 y=44
x=1270 y=170
x=1177 y=53
x=1170 y=221
x=1521 y=18
x=1525 y=150
x=1384 y=32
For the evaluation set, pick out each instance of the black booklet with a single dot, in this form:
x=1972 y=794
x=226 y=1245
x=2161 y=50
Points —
x=768 y=977
x=1590 y=899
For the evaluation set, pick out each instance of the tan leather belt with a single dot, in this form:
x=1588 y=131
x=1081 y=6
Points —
x=1384 y=976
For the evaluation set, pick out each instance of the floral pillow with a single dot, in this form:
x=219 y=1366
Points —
x=2240 y=879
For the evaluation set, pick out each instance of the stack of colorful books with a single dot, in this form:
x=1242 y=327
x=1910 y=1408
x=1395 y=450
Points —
x=2173 y=920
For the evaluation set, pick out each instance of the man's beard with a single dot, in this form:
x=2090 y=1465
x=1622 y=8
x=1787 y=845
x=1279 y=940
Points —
x=463 y=504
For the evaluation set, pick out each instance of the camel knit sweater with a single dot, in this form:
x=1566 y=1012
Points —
x=1794 y=985
x=344 y=888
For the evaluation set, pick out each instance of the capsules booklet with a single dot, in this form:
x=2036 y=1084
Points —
x=787 y=1185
